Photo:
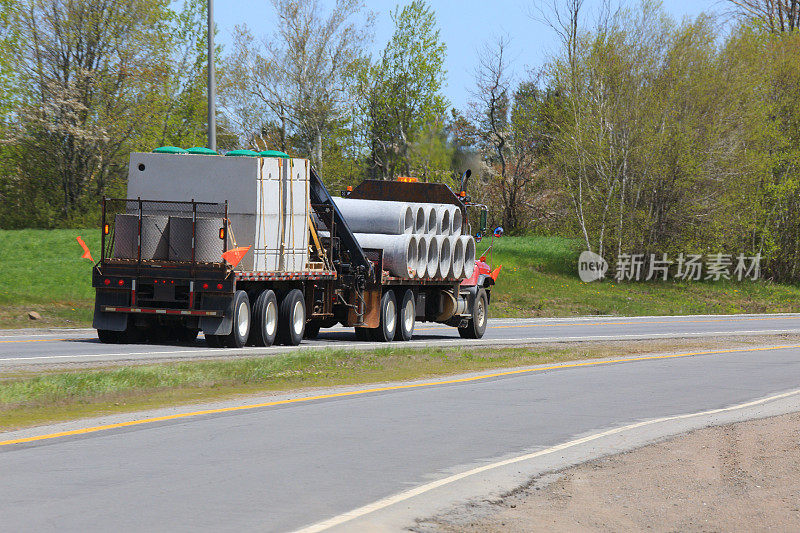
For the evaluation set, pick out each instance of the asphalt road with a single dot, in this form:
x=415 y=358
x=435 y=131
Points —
x=82 y=345
x=281 y=467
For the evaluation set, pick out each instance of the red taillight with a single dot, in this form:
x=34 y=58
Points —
x=106 y=281
x=219 y=286
x=172 y=282
x=121 y=282
x=205 y=285
x=155 y=282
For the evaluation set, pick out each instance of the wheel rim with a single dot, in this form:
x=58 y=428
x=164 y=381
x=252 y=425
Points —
x=298 y=317
x=480 y=313
x=391 y=312
x=271 y=319
x=408 y=316
x=243 y=319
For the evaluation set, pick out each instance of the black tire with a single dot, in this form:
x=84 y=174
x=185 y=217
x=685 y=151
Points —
x=312 y=330
x=214 y=341
x=480 y=315
x=362 y=334
x=107 y=336
x=186 y=335
x=242 y=320
x=388 y=326
x=292 y=318
x=406 y=316
x=265 y=320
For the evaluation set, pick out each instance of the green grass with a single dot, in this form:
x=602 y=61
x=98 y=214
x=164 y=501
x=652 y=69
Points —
x=42 y=271
x=539 y=278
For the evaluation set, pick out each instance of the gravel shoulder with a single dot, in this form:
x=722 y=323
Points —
x=737 y=477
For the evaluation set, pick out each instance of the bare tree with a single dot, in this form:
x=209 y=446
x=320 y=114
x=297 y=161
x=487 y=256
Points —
x=301 y=76
x=777 y=15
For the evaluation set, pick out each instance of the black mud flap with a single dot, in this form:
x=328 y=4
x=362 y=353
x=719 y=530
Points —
x=214 y=325
x=110 y=321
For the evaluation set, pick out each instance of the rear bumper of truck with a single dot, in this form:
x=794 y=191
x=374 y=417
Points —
x=158 y=311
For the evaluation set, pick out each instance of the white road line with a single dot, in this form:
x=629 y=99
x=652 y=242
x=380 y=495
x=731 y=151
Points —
x=397 y=498
x=437 y=342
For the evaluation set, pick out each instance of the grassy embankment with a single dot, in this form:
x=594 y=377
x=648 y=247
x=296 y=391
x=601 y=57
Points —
x=42 y=271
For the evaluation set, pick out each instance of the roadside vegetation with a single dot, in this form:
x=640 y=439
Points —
x=43 y=272
x=28 y=399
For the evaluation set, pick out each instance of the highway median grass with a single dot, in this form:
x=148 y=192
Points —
x=58 y=395
x=42 y=271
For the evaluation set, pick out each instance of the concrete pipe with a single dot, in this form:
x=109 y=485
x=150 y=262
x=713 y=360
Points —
x=443 y=222
x=445 y=256
x=430 y=219
x=469 y=255
x=419 y=220
x=126 y=236
x=399 y=252
x=377 y=216
x=422 y=256
x=208 y=246
x=456 y=221
x=433 y=256
x=457 y=257
x=155 y=237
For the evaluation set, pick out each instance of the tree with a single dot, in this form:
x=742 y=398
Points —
x=401 y=93
x=86 y=69
x=295 y=88
x=776 y=15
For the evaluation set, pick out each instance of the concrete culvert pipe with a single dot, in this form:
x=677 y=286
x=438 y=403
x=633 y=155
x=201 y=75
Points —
x=155 y=237
x=443 y=222
x=457 y=257
x=433 y=256
x=399 y=252
x=430 y=219
x=419 y=219
x=445 y=255
x=469 y=254
x=377 y=216
x=422 y=256
x=456 y=221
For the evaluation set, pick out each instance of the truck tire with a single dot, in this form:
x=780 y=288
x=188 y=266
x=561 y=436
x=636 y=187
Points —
x=362 y=334
x=214 y=341
x=186 y=335
x=292 y=318
x=107 y=336
x=265 y=319
x=242 y=319
x=476 y=325
x=406 y=316
x=388 y=327
x=312 y=330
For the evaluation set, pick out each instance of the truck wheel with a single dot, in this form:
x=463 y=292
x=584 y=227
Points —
x=292 y=318
x=265 y=319
x=107 y=336
x=312 y=330
x=406 y=317
x=214 y=341
x=477 y=324
x=186 y=335
x=388 y=327
x=362 y=334
x=240 y=329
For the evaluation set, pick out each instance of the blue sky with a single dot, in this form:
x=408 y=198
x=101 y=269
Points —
x=464 y=25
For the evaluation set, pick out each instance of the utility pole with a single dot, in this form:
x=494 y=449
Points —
x=212 y=96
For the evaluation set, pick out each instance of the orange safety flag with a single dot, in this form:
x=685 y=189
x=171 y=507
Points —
x=235 y=255
x=495 y=272
x=86 y=253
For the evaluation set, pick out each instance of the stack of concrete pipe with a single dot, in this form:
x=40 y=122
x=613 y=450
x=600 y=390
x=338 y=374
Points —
x=417 y=240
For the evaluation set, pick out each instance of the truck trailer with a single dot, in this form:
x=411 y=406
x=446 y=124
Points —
x=254 y=250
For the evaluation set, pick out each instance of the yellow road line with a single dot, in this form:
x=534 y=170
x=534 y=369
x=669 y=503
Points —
x=377 y=389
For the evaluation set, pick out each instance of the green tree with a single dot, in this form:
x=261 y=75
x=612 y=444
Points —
x=401 y=93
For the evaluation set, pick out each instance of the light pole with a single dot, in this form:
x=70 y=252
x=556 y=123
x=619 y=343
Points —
x=212 y=96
